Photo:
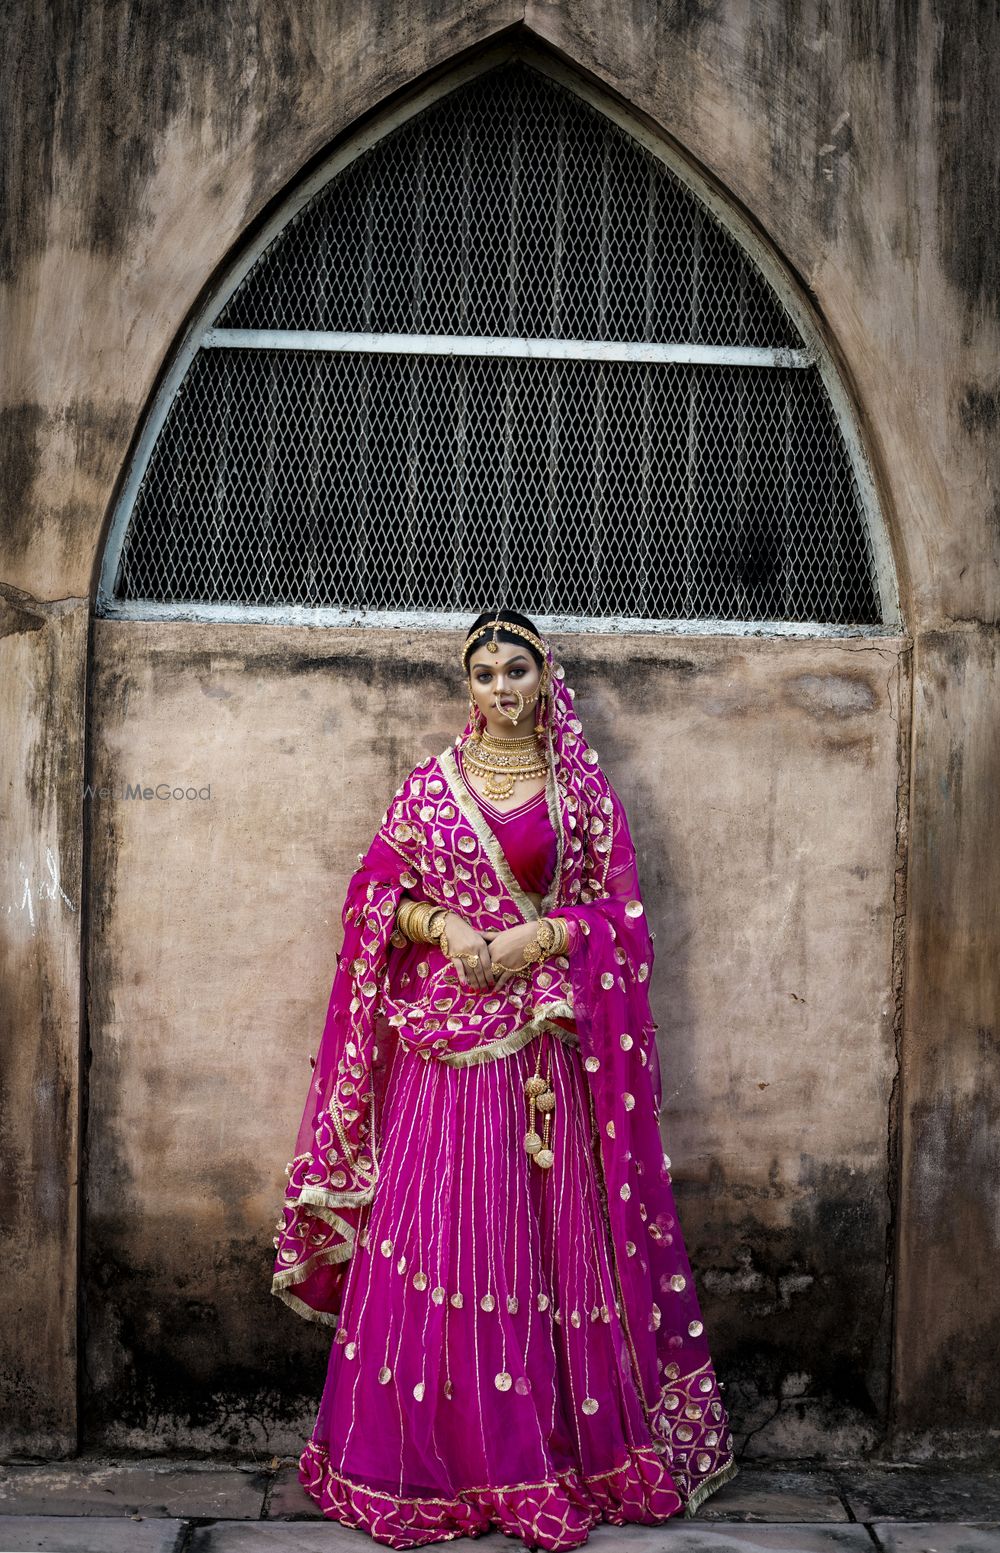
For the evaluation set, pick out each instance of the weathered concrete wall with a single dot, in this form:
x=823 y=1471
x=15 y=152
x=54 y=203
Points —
x=42 y=649
x=762 y=778
x=139 y=146
x=948 y=1323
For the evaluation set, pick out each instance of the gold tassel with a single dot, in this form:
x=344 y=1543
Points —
x=541 y=1096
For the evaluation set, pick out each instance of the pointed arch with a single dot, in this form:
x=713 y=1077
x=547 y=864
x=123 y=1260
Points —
x=505 y=343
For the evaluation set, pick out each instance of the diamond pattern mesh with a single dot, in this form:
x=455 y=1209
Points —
x=431 y=483
x=434 y=483
x=511 y=207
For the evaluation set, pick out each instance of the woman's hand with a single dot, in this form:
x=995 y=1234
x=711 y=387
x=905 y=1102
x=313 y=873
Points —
x=464 y=940
x=507 y=950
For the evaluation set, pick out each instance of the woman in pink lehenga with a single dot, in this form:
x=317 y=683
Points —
x=479 y=1204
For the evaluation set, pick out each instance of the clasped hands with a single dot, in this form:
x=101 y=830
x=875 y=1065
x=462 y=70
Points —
x=500 y=954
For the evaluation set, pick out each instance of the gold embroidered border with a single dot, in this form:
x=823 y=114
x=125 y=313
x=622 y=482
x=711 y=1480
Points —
x=316 y=1197
x=290 y=1276
x=555 y=815
x=323 y=1318
x=397 y=849
x=282 y=1282
x=492 y=1050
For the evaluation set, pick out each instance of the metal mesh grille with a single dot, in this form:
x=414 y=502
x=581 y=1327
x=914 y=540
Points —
x=580 y=488
x=434 y=483
x=510 y=207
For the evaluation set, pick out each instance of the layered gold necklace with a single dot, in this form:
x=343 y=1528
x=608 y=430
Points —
x=501 y=762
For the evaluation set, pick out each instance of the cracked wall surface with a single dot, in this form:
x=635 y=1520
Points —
x=139 y=148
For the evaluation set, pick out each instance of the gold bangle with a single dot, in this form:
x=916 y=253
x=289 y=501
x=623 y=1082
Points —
x=424 y=922
x=411 y=919
x=538 y=948
x=435 y=924
x=561 y=943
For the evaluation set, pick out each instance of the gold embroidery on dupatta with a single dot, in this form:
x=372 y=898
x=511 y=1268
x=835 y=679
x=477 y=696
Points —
x=323 y=1318
x=289 y=1276
x=613 y=1258
x=555 y=815
x=490 y=844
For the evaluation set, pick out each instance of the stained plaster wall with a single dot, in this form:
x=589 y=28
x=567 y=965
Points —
x=850 y=1310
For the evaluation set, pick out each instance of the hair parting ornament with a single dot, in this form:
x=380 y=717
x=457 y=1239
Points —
x=493 y=645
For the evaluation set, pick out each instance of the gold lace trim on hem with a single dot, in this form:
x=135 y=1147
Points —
x=317 y=1197
x=323 y=1318
x=701 y=1493
x=289 y=1276
x=406 y=856
x=634 y=1452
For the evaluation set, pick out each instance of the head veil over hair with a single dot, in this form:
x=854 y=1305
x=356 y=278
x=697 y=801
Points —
x=434 y=844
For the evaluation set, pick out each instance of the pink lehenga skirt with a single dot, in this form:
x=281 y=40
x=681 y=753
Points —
x=480 y=1375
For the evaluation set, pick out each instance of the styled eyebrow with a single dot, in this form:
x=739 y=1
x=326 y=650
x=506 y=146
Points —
x=519 y=657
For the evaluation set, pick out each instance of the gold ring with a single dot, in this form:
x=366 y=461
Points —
x=472 y=958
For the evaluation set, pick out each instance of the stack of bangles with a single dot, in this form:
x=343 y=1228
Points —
x=421 y=922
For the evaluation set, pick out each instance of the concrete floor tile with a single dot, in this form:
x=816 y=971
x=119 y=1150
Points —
x=767 y=1494
x=682 y=1535
x=89 y=1488
x=937 y=1537
x=88 y=1534
x=279 y=1537
x=307 y=1537
x=289 y=1500
x=920 y=1493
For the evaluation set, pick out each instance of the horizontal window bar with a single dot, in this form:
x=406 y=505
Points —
x=374 y=619
x=481 y=345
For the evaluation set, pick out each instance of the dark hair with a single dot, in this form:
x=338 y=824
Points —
x=502 y=635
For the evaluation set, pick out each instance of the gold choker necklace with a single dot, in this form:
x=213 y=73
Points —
x=502 y=762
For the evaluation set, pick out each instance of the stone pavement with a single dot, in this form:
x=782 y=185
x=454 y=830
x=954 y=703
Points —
x=159 y=1506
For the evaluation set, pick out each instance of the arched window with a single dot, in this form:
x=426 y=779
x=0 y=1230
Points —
x=504 y=351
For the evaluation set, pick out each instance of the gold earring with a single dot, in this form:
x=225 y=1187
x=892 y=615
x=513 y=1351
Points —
x=543 y=686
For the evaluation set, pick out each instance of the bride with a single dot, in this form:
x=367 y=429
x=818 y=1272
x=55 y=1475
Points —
x=479 y=1205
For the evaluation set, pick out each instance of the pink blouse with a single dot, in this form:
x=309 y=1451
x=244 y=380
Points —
x=526 y=836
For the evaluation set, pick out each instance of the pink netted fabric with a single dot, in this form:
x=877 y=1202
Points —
x=501 y=1332
x=555 y=1514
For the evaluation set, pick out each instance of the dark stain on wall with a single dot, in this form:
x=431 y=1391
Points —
x=979 y=409
x=966 y=91
x=98 y=88
x=20 y=428
x=795 y=1294
x=959 y=1139
x=186 y=1337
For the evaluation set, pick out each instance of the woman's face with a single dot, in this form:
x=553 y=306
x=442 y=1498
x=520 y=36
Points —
x=495 y=676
